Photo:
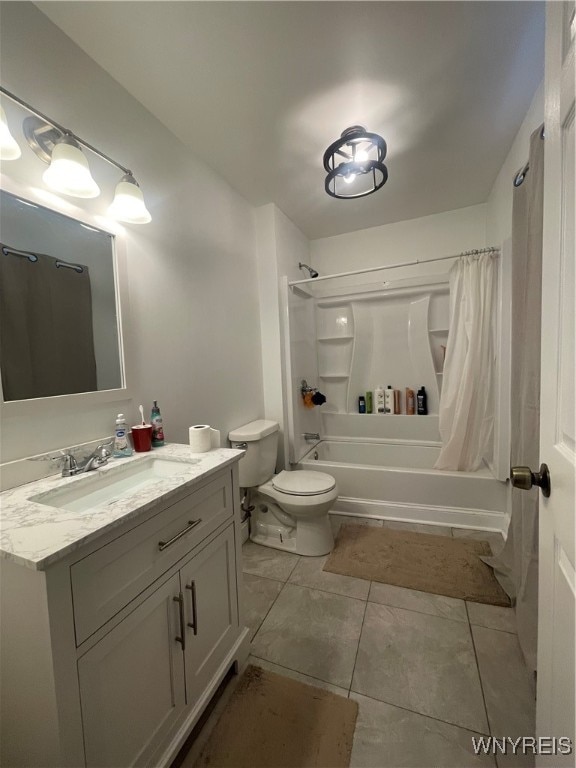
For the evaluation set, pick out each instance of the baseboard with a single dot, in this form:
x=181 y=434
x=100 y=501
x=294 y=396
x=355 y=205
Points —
x=455 y=517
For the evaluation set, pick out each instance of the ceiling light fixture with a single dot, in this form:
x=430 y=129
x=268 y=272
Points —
x=355 y=164
x=9 y=149
x=68 y=172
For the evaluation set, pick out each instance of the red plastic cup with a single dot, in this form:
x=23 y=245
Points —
x=142 y=437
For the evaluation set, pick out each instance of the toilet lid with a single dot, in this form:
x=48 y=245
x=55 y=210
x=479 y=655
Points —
x=302 y=483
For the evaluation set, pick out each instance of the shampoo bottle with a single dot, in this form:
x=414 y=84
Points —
x=389 y=399
x=397 y=401
x=421 y=401
x=361 y=404
x=410 y=404
x=121 y=445
x=157 y=428
x=369 y=407
x=380 y=403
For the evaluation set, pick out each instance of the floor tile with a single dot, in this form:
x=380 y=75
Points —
x=519 y=760
x=309 y=573
x=507 y=683
x=496 y=540
x=420 y=662
x=312 y=632
x=414 y=600
x=337 y=520
x=267 y=562
x=492 y=616
x=389 y=737
x=436 y=530
x=259 y=595
x=297 y=676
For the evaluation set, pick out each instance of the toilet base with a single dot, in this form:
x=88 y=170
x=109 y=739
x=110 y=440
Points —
x=311 y=538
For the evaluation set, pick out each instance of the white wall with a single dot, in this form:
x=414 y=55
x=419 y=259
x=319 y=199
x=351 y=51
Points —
x=280 y=247
x=425 y=238
x=194 y=325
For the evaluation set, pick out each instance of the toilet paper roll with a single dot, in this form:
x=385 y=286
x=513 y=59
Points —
x=203 y=438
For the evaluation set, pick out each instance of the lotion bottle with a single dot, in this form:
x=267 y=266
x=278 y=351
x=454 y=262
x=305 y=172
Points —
x=380 y=402
x=389 y=397
x=122 y=446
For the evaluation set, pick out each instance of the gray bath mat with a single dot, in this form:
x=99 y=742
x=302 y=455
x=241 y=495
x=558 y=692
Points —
x=422 y=561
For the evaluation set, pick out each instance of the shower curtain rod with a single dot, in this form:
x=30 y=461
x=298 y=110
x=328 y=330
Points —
x=475 y=252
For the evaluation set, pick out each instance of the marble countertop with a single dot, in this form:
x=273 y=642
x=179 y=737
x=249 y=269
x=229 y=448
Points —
x=36 y=535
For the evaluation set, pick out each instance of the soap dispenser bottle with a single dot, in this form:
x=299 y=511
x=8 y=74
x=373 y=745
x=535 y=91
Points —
x=157 y=427
x=121 y=445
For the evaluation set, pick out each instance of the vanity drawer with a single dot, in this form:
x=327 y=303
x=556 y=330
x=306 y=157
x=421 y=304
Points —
x=108 y=579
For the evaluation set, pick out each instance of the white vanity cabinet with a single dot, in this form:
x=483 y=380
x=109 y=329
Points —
x=133 y=634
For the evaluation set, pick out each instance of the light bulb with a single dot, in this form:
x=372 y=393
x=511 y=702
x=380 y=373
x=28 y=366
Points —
x=69 y=172
x=9 y=149
x=361 y=156
x=128 y=204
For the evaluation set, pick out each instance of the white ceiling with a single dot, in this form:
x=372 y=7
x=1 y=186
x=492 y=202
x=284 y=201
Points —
x=259 y=90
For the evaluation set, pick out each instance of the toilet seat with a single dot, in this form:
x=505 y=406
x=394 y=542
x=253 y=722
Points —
x=303 y=483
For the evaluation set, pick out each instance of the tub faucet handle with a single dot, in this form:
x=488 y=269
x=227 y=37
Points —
x=309 y=436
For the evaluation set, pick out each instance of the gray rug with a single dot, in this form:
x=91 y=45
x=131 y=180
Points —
x=273 y=721
x=436 y=564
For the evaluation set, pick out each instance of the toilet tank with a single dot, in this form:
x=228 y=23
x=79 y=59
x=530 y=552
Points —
x=260 y=440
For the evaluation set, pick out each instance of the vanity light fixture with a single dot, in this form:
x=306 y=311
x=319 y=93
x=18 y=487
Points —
x=68 y=171
x=355 y=164
x=9 y=149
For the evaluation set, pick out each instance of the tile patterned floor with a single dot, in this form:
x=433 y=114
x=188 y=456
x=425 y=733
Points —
x=429 y=672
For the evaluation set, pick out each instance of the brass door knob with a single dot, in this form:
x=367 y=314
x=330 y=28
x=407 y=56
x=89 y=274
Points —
x=523 y=478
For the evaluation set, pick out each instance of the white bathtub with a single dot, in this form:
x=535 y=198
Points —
x=397 y=481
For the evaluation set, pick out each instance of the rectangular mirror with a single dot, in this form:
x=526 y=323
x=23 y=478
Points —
x=59 y=318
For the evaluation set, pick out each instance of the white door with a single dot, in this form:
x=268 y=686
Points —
x=557 y=587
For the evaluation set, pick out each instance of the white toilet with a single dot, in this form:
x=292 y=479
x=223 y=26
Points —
x=290 y=508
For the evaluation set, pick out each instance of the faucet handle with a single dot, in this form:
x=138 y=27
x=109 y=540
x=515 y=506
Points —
x=68 y=463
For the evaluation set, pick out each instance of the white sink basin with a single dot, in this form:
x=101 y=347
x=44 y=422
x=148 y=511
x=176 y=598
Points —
x=100 y=489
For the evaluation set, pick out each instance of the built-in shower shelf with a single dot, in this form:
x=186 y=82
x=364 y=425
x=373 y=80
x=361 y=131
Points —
x=334 y=376
x=335 y=338
x=439 y=331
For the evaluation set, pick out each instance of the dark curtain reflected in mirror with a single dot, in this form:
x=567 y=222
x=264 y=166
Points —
x=58 y=315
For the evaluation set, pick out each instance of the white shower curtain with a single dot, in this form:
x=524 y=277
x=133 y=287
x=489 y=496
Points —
x=466 y=413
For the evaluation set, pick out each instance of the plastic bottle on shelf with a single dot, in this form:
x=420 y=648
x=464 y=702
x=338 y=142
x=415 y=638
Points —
x=369 y=405
x=361 y=404
x=397 y=401
x=421 y=402
x=389 y=399
x=410 y=402
x=380 y=401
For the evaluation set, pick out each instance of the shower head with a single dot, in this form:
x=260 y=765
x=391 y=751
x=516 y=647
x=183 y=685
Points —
x=313 y=272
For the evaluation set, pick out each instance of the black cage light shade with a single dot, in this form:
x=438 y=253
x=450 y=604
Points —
x=355 y=164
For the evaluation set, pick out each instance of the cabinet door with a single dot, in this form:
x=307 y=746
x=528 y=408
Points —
x=209 y=586
x=132 y=683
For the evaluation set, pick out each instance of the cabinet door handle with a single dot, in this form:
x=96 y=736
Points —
x=182 y=638
x=194 y=623
x=191 y=524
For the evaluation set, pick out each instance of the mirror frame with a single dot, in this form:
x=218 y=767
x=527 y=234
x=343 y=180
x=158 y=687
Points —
x=70 y=403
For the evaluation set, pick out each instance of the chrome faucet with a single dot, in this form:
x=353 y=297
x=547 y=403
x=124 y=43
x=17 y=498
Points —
x=309 y=436
x=98 y=458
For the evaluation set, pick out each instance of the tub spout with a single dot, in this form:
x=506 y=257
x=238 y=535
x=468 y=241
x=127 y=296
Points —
x=309 y=436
